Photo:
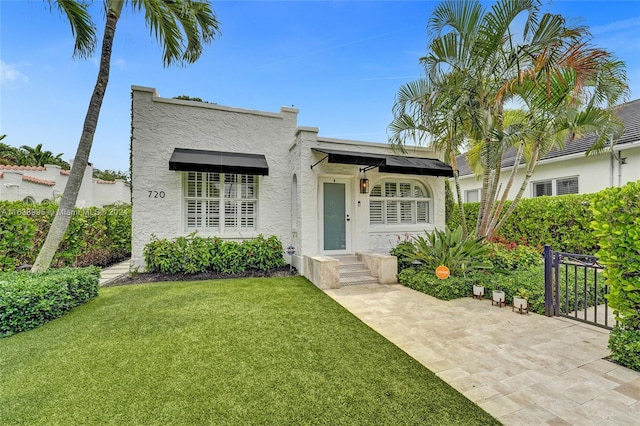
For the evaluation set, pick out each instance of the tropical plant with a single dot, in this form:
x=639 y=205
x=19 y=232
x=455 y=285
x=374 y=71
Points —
x=181 y=27
x=36 y=156
x=110 y=175
x=449 y=248
x=476 y=63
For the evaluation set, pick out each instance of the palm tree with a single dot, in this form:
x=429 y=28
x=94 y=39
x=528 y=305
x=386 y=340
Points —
x=492 y=66
x=35 y=156
x=182 y=27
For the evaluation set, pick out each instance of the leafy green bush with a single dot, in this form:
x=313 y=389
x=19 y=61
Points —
x=193 y=254
x=29 y=300
x=425 y=281
x=16 y=236
x=95 y=236
x=531 y=280
x=616 y=225
x=512 y=256
x=563 y=222
x=400 y=252
x=625 y=347
x=447 y=248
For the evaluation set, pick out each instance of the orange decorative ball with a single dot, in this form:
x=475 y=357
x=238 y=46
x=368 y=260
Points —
x=442 y=272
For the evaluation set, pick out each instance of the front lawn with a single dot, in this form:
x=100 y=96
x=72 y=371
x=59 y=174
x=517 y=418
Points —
x=245 y=351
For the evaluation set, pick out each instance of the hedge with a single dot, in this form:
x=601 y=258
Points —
x=193 y=254
x=563 y=222
x=29 y=300
x=616 y=224
x=96 y=236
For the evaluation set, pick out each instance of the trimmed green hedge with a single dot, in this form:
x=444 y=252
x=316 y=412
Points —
x=95 y=236
x=617 y=226
x=29 y=300
x=193 y=254
x=563 y=222
x=454 y=287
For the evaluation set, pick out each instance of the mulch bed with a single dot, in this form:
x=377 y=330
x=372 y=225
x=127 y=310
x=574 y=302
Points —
x=143 y=278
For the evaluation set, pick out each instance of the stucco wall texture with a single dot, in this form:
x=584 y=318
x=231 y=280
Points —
x=288 y=198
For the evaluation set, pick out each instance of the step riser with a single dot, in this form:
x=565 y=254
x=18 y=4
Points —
x=353 y=272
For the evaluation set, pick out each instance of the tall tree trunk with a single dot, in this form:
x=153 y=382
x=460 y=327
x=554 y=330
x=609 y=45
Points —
x=532 y=165
x=484 y=193
x=505 y=194
x=71 y=190
x=456 y=179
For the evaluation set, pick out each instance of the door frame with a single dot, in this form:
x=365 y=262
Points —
x=348 y=201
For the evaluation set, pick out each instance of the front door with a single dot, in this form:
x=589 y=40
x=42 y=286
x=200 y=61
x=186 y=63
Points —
x=336 y=218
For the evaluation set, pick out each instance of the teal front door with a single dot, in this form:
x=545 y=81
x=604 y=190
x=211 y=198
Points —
x=335 y=214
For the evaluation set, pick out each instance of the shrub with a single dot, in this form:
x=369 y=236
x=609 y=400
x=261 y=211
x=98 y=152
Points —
x=616 y=224
x=563 y=222
x=447 y=248
x=425 y=281
x=16 y=237
x=531 y=281
x=400 y=251
x=194 y=254
x=625 y=347
x=94 y=237
x=29 y=300
x=512 y=256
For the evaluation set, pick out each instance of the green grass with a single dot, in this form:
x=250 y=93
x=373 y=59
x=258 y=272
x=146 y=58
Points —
x=246 y=351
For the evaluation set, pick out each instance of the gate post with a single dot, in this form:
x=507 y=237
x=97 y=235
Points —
x=548 y=281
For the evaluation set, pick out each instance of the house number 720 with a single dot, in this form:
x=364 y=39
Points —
x=156 y=194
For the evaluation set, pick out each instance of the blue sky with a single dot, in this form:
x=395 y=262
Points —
x=340 y=62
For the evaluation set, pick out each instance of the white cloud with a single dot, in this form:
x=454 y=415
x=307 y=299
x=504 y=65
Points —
x=631 y=23
x=9 y=74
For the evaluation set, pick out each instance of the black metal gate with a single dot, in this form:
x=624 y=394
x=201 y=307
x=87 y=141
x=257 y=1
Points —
x=575 y=288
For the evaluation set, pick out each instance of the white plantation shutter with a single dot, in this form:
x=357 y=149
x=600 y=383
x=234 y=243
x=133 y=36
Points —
x=399 y=202
x=375 y=212
x=204 y=194
x=406 y=212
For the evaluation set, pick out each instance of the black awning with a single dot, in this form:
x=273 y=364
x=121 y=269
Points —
x=197 y=160
x=390 y=163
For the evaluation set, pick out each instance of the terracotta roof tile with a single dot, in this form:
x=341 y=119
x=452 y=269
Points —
x=38 y=181
x=33 y=168
x=65 y=172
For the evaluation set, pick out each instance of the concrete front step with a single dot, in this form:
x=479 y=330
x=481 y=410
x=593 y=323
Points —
x=353 y=272
x=358 y=280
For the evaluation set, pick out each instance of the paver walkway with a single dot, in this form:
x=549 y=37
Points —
x=522 y=369
x=114 y=271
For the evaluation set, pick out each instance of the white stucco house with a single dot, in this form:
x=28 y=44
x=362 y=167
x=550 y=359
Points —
x=236 y=173
x=36 y=185
x=569 y=170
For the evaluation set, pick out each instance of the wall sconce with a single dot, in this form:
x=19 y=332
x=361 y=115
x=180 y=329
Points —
x=364 y=186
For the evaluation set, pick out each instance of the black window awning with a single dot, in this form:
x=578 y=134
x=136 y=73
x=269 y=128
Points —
x=197 y=160
x=390 y=163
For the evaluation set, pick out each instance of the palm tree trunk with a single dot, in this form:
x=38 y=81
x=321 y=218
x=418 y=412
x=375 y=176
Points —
x=532 y=165
x=486 y=173
x=456 y=179
x=71 y=190
x=505 y=194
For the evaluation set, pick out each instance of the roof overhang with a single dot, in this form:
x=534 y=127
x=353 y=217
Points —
x=197 y=160
x=390 y=163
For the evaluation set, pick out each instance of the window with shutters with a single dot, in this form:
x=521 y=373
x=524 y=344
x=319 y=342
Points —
x=218 y=202
x=560 y=186
x=399 y=202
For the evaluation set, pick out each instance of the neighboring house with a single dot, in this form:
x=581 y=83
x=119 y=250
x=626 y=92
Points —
x=236 y=173
x=568 y=170
x=45 y=184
